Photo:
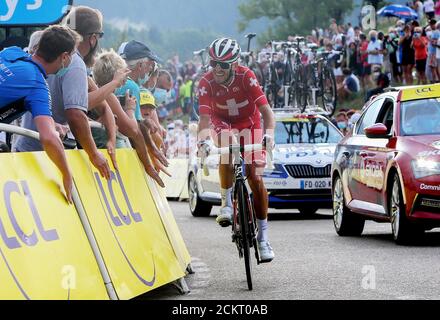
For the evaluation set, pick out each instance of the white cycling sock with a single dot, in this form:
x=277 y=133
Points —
x=263 y=229
x=226 y=197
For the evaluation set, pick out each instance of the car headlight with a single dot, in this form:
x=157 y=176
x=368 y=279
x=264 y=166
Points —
x=424 y=168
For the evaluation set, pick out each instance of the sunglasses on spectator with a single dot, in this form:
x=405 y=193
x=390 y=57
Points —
x=99 y=34
x=223 y=65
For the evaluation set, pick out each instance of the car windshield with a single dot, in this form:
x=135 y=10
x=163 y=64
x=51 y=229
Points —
x=313 y=130
x=421 y=117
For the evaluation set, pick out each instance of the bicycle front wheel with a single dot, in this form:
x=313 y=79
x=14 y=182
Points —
x=244 y=212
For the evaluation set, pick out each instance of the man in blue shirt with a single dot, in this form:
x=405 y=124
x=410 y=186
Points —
x=23 y=88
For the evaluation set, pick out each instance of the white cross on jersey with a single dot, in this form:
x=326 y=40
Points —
x=233 y=107
x=203 y=91
x=254 y=82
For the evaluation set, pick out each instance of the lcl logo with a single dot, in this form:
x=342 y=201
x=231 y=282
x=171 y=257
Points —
x=117 y=221
x=121 y=220
x=30 y=240
x=423 y=90
x=12 y=242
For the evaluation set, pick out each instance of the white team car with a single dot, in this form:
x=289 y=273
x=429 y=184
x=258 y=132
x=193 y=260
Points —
x=305 y=146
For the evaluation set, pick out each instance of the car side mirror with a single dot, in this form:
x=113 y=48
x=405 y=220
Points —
x=377 y=131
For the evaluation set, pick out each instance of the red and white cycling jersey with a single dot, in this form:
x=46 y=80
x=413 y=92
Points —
x=234 y=106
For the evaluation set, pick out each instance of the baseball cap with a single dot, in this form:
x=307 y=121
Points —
x=147 y=99
x=135 y=50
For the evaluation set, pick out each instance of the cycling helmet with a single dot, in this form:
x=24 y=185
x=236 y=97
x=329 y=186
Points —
x=225 y=50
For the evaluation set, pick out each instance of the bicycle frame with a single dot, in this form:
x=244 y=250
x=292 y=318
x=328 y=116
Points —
x=244 y=224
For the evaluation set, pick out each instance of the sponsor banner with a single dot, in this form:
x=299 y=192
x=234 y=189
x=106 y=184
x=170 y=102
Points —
x=32 y=12
x=44 y=252
x=126 y=224
x=169 y=223
x=178 y=181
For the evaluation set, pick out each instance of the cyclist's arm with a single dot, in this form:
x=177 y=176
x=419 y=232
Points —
x=268 y=119
x=204 y=128
x=205 y=109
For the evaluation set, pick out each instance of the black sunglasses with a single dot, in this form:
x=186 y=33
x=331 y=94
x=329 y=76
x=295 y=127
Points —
x=223 y=65
x=99 y=34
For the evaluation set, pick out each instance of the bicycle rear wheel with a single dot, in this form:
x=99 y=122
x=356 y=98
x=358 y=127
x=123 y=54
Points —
x=244 y=211
x=300 y=88
x=328 y=91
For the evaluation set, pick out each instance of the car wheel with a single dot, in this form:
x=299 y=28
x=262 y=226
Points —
x=346 y=222
x=197 y=206
x=404 y=232
x=308 y=211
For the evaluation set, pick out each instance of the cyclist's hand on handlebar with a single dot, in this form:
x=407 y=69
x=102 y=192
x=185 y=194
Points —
x=203 y=149
x=268 y=142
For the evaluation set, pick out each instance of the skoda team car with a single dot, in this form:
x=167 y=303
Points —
x=388 y=170
x=305 y=146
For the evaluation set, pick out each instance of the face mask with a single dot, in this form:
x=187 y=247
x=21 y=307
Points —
x=342 y=125
x=160 y=95
x=373 y=39
x=62 y=72
x=417 y=35
x=144 y=80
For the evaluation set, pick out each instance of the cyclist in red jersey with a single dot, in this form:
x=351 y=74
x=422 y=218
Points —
x=231 y=105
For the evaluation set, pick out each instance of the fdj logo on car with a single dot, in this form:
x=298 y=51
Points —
x=32 y=12
x=32 y=239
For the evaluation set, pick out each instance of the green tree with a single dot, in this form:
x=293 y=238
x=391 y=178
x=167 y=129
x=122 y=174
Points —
x=293 y=16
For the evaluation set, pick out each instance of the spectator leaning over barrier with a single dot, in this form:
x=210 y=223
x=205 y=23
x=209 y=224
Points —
x=141 y=61
x=69 y=89
x=23 y=88
x=148 y=109
x=106 y=67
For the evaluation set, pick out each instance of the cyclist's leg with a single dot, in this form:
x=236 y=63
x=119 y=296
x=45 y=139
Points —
x=255 y=164
x=223 y=137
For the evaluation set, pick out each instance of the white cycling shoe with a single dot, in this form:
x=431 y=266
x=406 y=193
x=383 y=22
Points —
x=266 y=252
x=224 y=219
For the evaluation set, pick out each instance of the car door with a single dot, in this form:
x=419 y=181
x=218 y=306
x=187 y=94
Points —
x=356 y=152
x=374 y=158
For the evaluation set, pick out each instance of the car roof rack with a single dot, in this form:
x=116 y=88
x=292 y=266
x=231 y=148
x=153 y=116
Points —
x=310 y=111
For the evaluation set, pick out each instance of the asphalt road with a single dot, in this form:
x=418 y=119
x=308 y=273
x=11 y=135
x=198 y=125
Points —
x=311 y=262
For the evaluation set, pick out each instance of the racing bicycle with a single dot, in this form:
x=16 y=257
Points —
x=244 y=221
x=321 y=82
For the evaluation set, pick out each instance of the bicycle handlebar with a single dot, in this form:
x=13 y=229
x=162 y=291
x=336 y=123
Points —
x=200 y=52
x=233 y=149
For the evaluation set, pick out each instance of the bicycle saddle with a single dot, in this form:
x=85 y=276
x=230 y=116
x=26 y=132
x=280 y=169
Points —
x=250 y=35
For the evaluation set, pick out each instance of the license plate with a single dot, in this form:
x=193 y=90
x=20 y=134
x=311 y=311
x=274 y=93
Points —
x=316 y=184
